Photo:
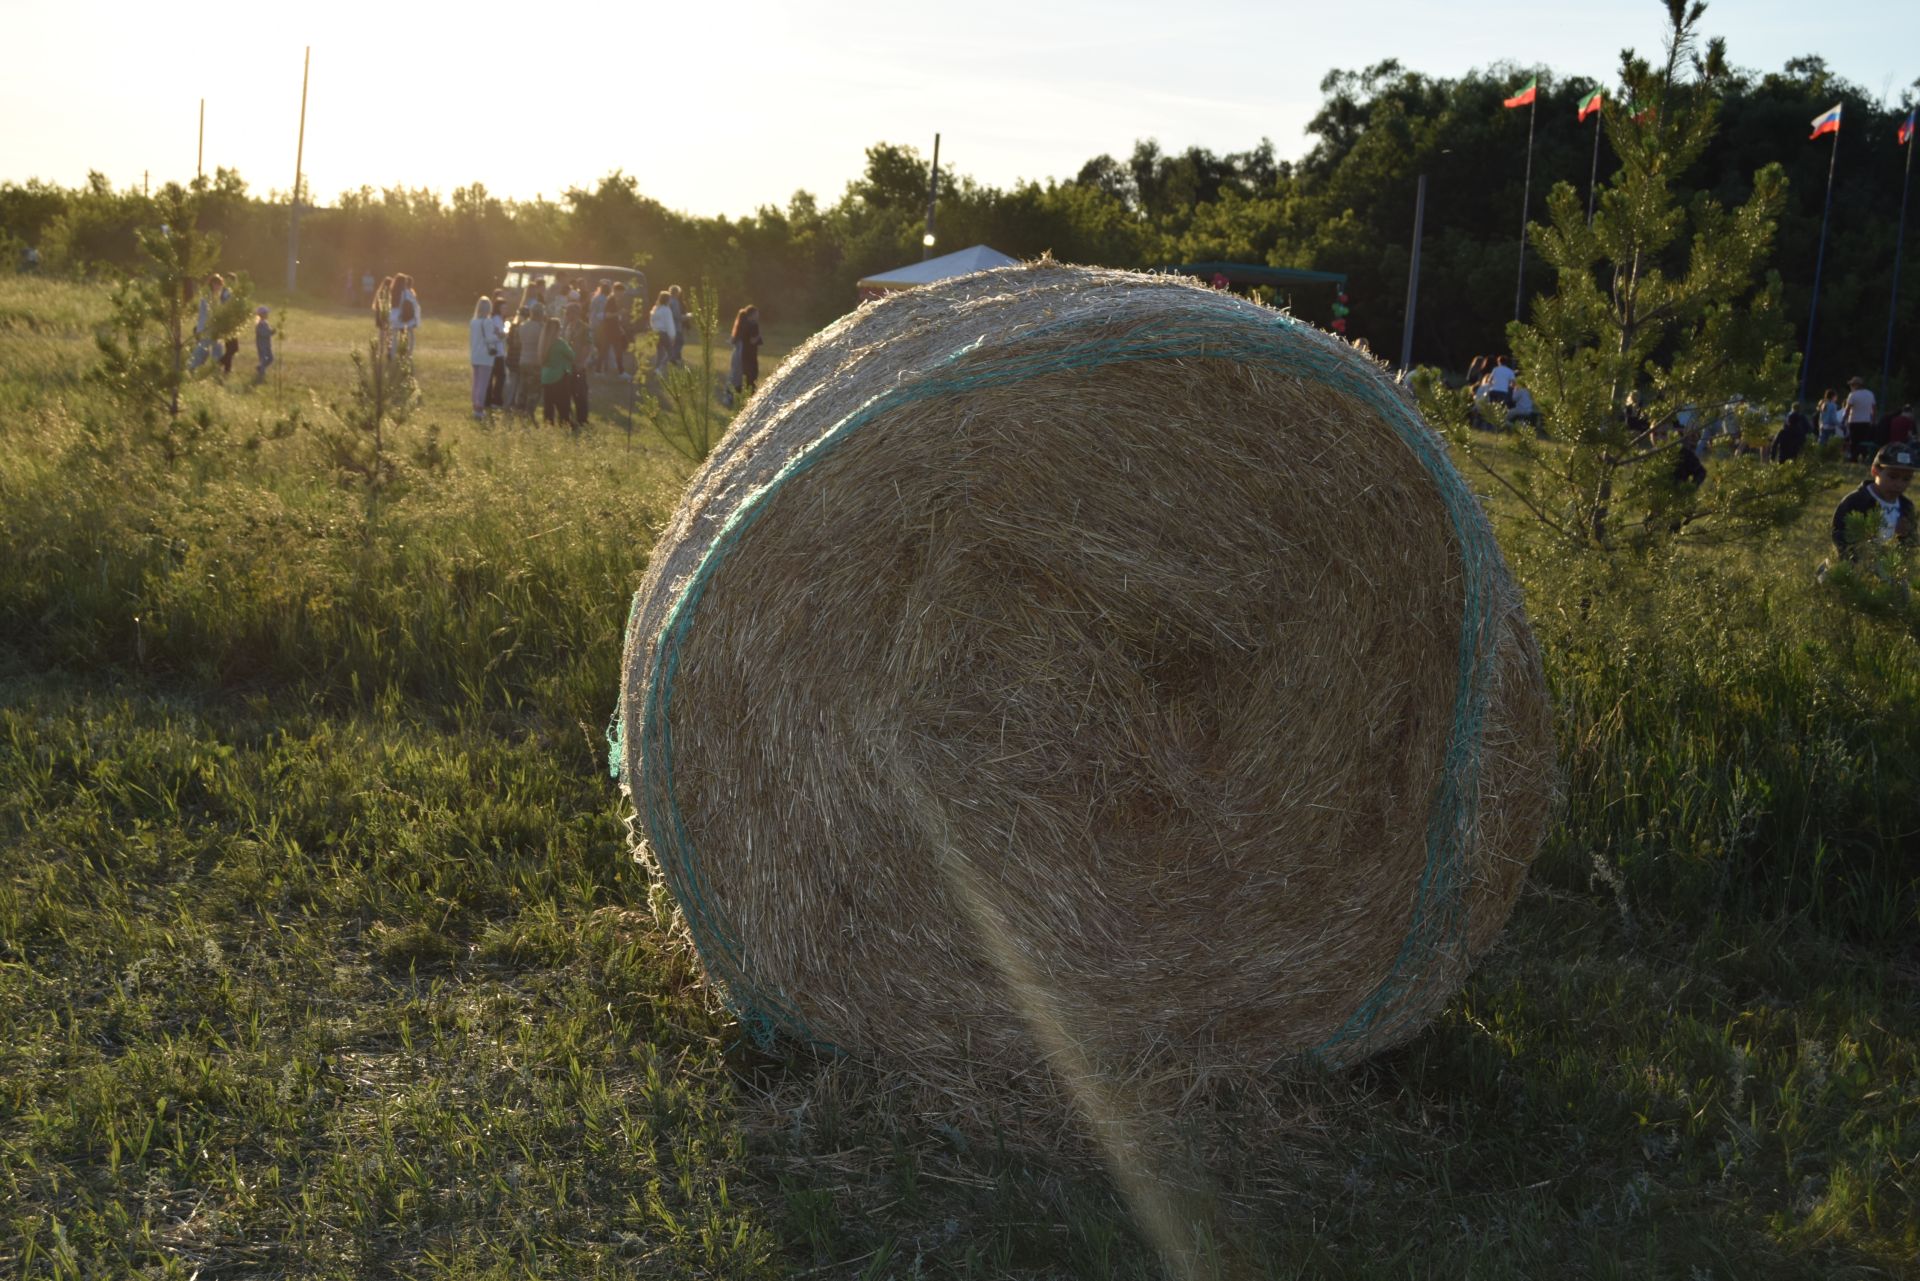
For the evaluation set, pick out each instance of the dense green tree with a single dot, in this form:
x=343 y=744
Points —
x=1663 y=306
x=148 y=345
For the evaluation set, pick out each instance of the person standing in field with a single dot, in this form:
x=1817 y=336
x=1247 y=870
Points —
x=482 y=347
x=1899 y=427
x=679 y=322
x=1791 y=440
x=746 y=345
x=581 y=341
x=596 y=313
x=1832 y=421
x=262 y=343
x=529 y=329
x=497 y=381
x=1859 y=413
x=1882 y=499
x=556 y=369
x=231 y=346
x=613 y=329
x=383 y=314
x=661 y=321
x=204 y=343
x=406 y=315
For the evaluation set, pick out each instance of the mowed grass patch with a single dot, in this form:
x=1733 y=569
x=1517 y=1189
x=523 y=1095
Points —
x=321 y=953
x=340 y=996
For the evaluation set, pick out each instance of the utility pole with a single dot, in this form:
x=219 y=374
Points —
x=933 y=193
x=1413 y=273
x=299 y=162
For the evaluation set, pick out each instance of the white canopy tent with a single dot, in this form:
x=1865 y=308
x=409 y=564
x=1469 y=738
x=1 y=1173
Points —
x=959 y=263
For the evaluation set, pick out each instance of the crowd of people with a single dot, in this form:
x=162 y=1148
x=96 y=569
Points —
x=1852 y=423
x=539 y=355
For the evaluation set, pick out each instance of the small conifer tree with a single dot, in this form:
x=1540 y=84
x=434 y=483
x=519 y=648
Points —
x=356 y=445
x=1663 y=312
x=155 y=323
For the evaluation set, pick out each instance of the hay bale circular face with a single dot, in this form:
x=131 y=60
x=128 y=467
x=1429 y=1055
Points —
x=1061 y=662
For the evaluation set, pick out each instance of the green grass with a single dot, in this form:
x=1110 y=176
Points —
x=321 y=953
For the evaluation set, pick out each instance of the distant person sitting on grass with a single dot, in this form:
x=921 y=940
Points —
x=1882 y=499
x=262 y=343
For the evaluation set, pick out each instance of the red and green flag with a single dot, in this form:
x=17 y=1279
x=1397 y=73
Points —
x=1524 y=98
x=1589 y=107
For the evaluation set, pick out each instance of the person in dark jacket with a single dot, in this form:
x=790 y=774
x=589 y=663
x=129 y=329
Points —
x=1791 y=439
x=1883 y=497
x=1687 y=467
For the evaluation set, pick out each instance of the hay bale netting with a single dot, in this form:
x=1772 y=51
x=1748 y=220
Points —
x=1069 y=662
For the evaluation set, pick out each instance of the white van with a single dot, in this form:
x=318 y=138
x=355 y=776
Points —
x=521 y=274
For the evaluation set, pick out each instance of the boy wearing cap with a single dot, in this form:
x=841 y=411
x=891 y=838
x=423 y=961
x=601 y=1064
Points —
x=1884 y=494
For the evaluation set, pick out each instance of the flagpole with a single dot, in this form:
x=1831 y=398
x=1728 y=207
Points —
x=1819 y=261
x=1893 y=305
x=1593 y=179
x=1526 y=190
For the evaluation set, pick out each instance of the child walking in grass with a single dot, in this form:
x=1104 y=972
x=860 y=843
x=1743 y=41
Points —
x=262 y=343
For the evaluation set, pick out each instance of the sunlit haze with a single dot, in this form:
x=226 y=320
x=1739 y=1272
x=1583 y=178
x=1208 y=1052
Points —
x=724 y=108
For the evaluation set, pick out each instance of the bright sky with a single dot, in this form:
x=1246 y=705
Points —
x=723 y=107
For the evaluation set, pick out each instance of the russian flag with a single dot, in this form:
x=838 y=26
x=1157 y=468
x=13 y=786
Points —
x=1827 y=121
x=1906 y=130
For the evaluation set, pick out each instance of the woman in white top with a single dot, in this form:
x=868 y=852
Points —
x=406 y=314
x=664 y=329
x=483 y=344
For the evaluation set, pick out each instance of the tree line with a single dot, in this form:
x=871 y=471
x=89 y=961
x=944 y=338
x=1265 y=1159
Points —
x=1347 y=205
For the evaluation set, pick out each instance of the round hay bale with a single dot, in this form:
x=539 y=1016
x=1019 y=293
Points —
x=1080 y=667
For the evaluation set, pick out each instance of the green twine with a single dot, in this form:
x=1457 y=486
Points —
x=1438 y=911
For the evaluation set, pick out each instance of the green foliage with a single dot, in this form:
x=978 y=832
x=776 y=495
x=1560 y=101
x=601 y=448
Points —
x=1656 y=314
x=685 y=410
x=321 y=952
x=156 y=339
x=384 y=396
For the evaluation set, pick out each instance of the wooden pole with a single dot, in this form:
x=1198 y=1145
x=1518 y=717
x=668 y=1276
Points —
x=299 y=164
x=933 y=192
x=1413 y=273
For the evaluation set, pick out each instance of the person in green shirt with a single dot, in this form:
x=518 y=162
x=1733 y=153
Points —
x=556 y=372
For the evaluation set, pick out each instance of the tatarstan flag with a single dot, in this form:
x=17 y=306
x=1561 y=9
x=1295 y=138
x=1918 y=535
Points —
x=1527 y=94
x=1591 y=105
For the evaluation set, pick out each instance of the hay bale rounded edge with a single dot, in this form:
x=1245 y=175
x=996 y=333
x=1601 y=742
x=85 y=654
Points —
x=1066 y=661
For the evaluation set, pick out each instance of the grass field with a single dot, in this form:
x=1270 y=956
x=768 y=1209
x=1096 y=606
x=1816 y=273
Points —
x=322 y=955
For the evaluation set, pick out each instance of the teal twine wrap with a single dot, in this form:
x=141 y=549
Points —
x=617 y=723
x=1438 y=911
